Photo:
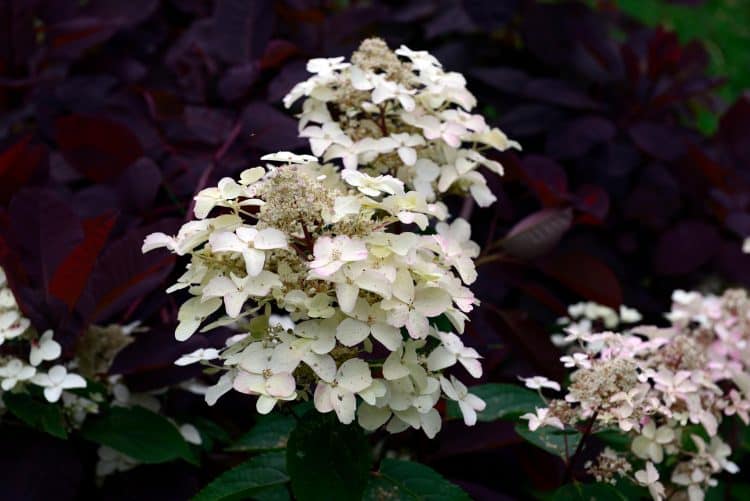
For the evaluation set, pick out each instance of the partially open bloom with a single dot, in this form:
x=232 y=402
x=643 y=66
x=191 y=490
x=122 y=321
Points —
x=658 y=384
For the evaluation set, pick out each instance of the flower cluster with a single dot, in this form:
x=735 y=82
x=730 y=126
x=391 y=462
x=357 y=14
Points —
x=30 y=363
x=668 y=389
x=339 y=278
x=358 y=293
x=398 y=113
x=26 y=354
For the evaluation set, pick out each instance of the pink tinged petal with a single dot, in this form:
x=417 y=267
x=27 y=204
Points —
x=281 y=385
x=440 y=358
x=265 y=404
x=472 y=366
x=387 y=335
x=354 y=375
x=347 y=294
x=372 y=418
x=270 y=238
x=322 y=398
x=325 y=268
x=251 y=384
x=344 y=404
x=352 y=332
x=354 y=250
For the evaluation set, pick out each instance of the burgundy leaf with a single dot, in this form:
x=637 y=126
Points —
x=71 y=277
x=685 y=247
x=538 y=233
x=585 y=275
x=98 y=147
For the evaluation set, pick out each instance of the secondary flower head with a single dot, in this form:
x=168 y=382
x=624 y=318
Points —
x=399 y=113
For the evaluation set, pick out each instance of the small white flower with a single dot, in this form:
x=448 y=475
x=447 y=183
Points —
x=452 y=350
x=44 y=348
x=353 y=376
x=576 y=360
x=13 y=372
x=649 y=477
x=290 y=158
x=541 y=417
x=468 y=403
x=267 y=372
x=540 y=382
x=650 y=443
x=326 y=66
x=372 y=186
x=197 y=356
x=56 y=380
x=332 y=253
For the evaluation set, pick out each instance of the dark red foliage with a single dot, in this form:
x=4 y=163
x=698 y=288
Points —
x=114 y=113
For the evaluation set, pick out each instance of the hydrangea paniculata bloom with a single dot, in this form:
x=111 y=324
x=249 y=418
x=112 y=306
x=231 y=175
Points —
x=667 y=389
x=361 y=260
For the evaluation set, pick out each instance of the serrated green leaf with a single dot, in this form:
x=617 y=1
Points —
x=327 y=460
x=269 y=433
x=408 y=481
x=256 y=478
x=139 y=433
x=588 y=492
x=558 y=442
x=40 y=415
x=504 y=401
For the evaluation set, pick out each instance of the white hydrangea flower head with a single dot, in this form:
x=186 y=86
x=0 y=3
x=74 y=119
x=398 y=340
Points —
x=399 y=113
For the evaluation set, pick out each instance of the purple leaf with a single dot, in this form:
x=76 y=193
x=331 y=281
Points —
x=685 y=247
x=242 y=29
x=537 y=233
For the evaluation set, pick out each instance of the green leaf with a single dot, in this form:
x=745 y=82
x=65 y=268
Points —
x=256 y=478
x=551 y=440
x=210 y=432
x=274 y=493
x=139 y=433
x=327 y=460
x=406 y=480
x=504 y=401
x=588 y=492
x=269 y=433
x=40 y=415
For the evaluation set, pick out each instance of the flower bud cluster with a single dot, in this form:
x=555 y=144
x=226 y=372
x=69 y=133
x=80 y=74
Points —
x=667 y=389
x=399 y=113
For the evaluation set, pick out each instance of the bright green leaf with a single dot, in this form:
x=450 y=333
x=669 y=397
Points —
x=256 y=478
x=558 y=442
x=139 y=433
x=269 y=433
x=40 y=415
x=504 y=401
x=408 y=481
x=327 y=460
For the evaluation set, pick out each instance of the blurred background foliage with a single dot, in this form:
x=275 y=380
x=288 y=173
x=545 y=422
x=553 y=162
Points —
x=722 y=26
